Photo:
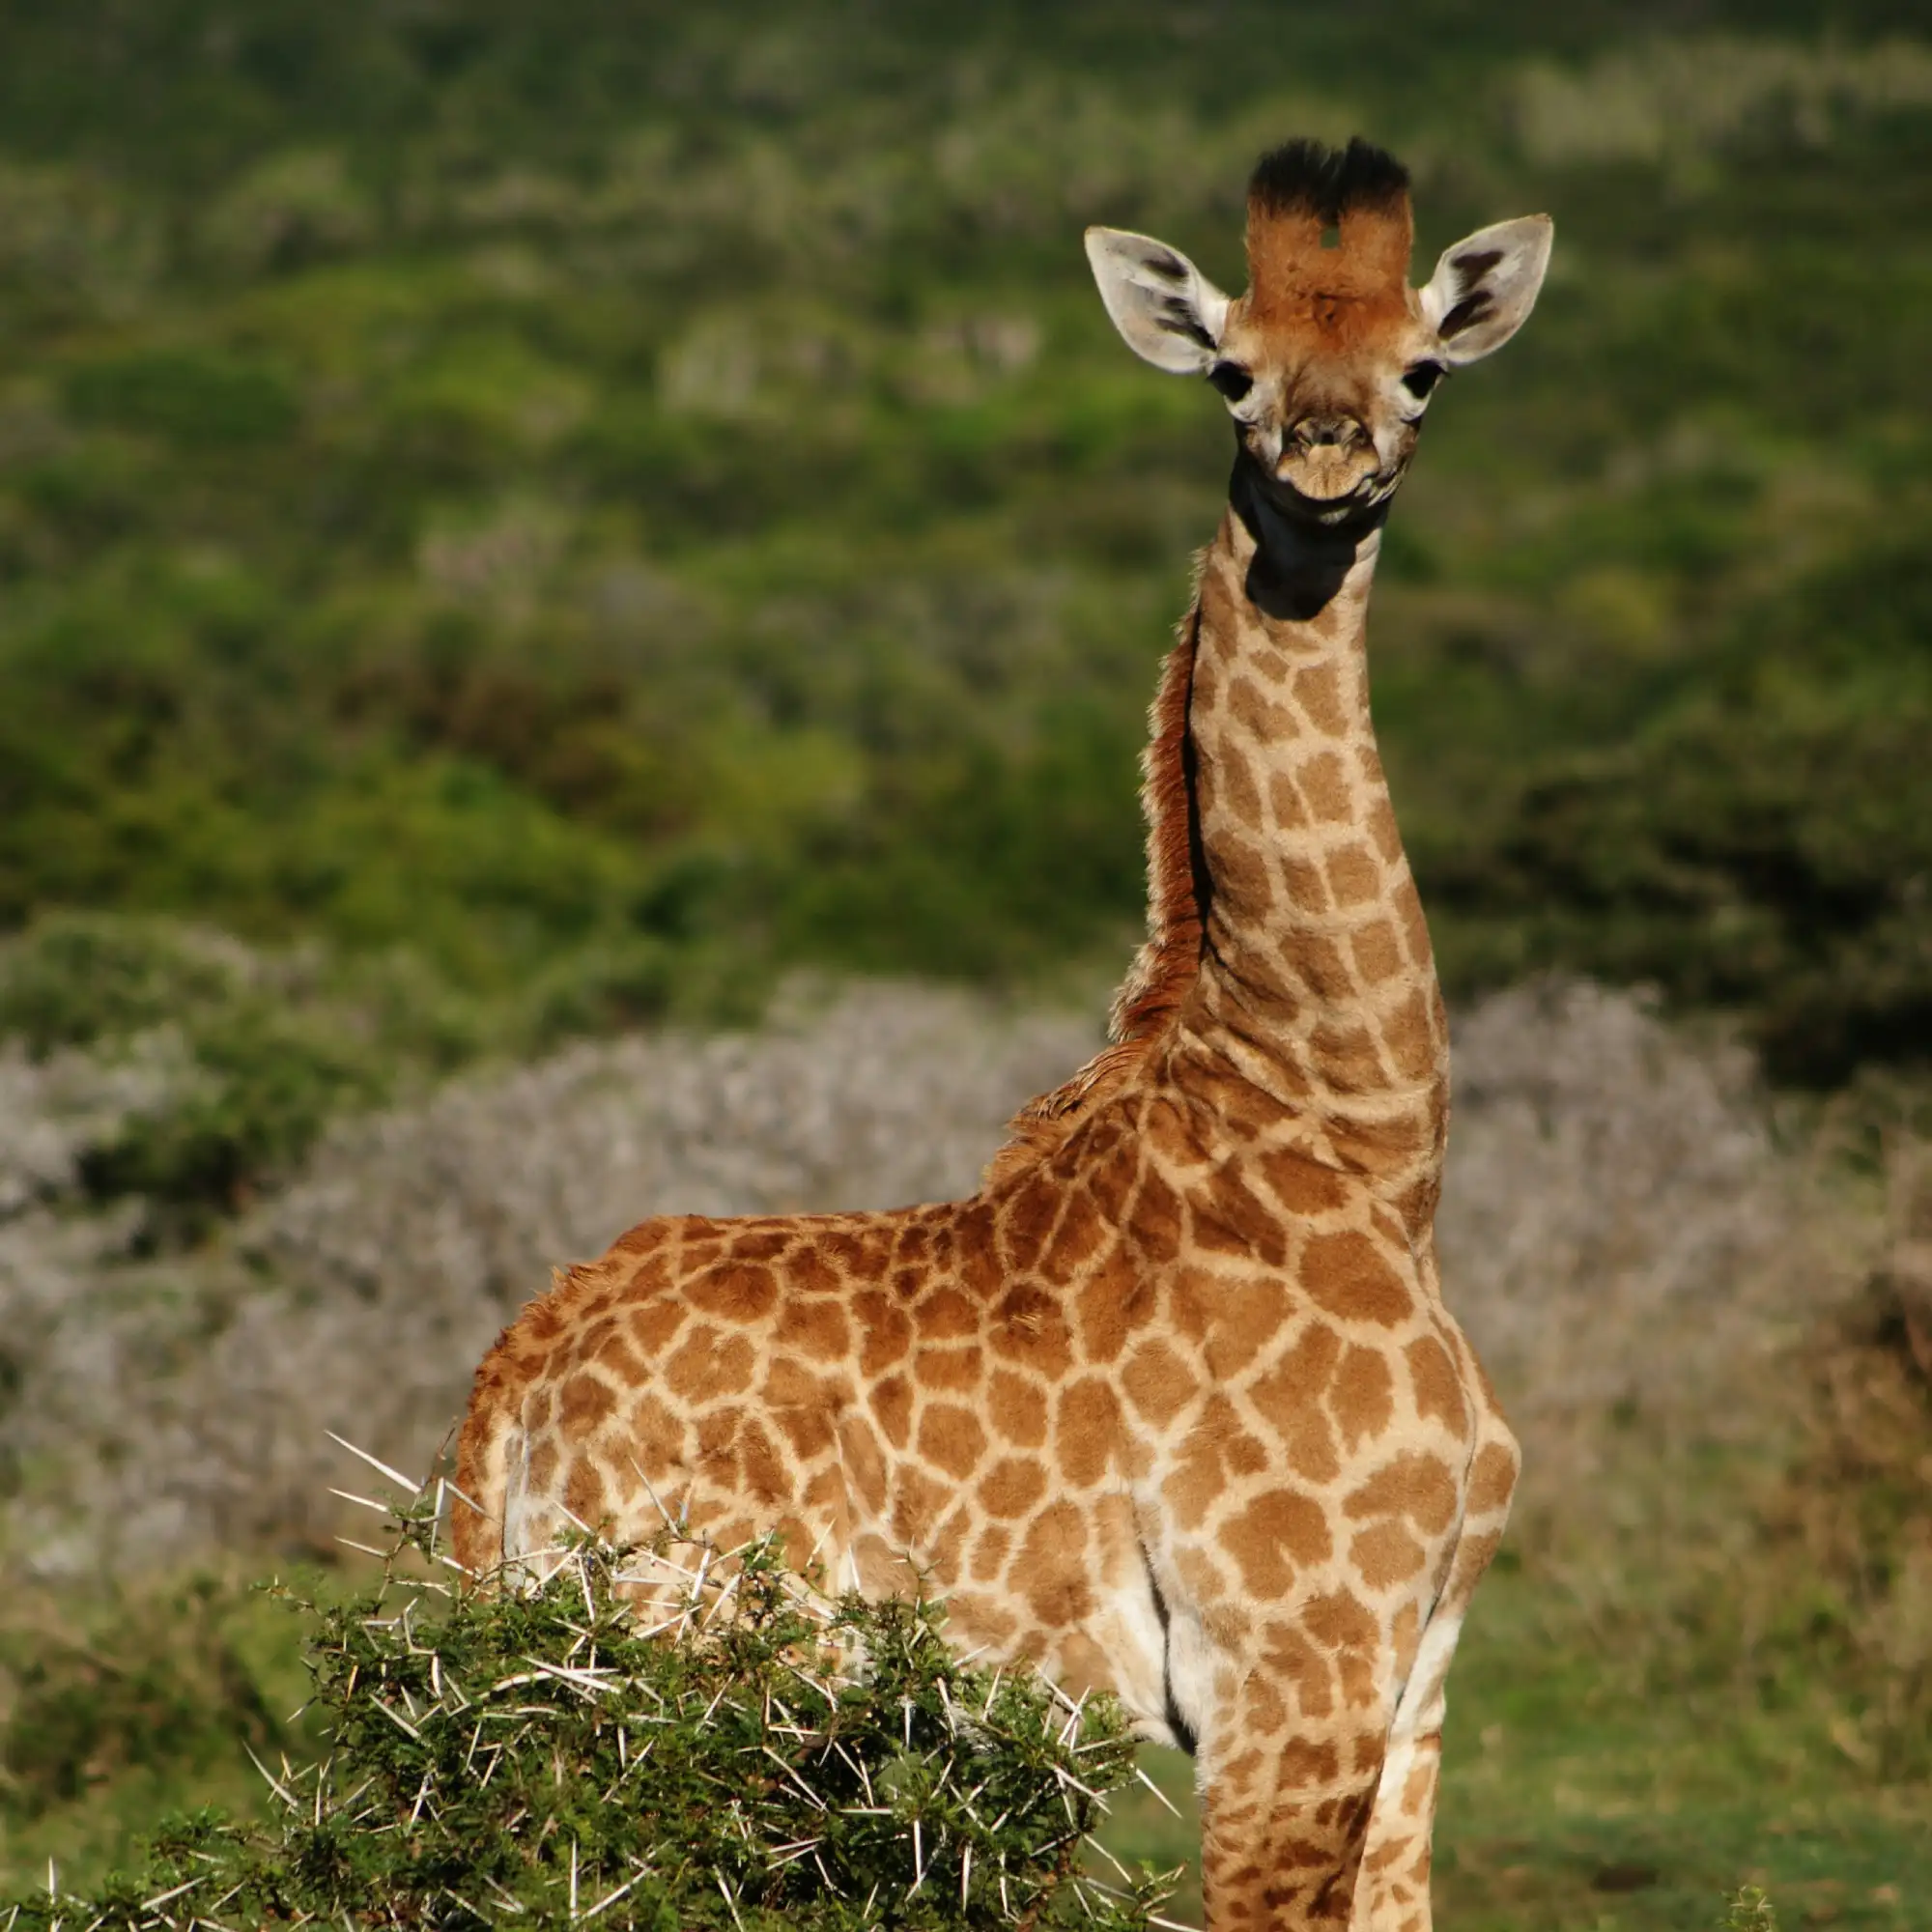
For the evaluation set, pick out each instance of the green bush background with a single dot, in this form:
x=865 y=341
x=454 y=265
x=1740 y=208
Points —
x=655 y=486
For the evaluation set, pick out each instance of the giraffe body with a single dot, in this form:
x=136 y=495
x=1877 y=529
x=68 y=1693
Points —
x=1172 y=1407
x=1187 y=1427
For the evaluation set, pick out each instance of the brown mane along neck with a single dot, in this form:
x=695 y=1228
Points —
x=1290 y=601
x=1165 y=966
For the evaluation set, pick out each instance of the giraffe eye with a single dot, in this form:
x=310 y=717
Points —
x=1421 y=378
x=1232 y=380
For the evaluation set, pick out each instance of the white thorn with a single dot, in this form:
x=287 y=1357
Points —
x=349 y=1496
x=274 y=1783
x=1156 y=1790
x=395 y=1476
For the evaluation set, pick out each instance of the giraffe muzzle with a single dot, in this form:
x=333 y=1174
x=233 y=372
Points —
x=1327 y=459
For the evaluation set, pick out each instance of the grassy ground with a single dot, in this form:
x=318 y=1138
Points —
x=1574 y=1800
x=127 y=1706
x=1572 y=1805
x=1571 y=1800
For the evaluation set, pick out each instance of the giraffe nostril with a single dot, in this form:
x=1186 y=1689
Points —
x=1329 y=432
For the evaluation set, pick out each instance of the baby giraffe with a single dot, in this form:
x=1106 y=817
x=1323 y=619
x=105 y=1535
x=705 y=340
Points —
x=1172 y=1407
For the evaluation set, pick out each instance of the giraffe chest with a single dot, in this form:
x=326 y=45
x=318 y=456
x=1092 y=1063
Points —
x=1312 y=1448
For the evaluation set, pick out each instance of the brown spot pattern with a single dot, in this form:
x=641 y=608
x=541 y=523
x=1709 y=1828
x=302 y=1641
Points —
x=1279 y=1534
x=1348 y=1275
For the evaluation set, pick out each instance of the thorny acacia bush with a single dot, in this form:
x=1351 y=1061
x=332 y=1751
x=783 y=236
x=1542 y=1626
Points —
x=1750 y=1911
x=752 y=1756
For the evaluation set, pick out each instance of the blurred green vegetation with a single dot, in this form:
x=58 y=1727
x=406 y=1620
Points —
x=654 y=488
x=241 y=1055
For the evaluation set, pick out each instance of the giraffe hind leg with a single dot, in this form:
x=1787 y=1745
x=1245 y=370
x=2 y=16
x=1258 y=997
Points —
x=1393 y=1894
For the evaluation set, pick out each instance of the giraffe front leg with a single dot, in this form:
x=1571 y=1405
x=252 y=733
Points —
x=1291 y=1766
x=1392 y=1894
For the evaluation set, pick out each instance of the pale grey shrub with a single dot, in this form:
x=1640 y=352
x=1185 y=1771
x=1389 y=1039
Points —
x=1620 y=1234
x=165 y=1406
x=71 y=1331
x=1605 y=1175
x=53 y=1111
x=1626 y=1242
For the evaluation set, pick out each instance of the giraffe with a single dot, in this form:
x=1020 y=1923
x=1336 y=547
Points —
x=1165 y=968
x=1171 y=1406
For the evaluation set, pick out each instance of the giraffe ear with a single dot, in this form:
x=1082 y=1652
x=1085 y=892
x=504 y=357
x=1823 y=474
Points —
x=1484 y=288
x=1168 y=312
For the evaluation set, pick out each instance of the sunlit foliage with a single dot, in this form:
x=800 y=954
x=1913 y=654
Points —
x=654 y=486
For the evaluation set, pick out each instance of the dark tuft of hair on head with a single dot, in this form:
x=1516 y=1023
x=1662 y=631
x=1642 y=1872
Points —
x=1306 y=177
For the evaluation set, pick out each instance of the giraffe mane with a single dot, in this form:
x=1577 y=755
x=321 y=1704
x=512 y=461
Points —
x=1169 y=960
x=1305 y=177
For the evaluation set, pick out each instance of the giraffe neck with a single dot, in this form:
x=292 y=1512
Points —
x=1317 y=985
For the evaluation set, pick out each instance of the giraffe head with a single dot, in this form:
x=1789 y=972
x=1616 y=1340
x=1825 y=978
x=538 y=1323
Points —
x=1327 y=362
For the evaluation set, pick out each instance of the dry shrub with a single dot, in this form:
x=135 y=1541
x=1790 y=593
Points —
x=1719 y=1361
x=1625 y=1240
x=1853 y=1514
x=57 y=1110
x=159 y=1408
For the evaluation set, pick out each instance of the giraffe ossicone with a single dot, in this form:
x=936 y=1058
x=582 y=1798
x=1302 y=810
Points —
x=1172 y=1407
